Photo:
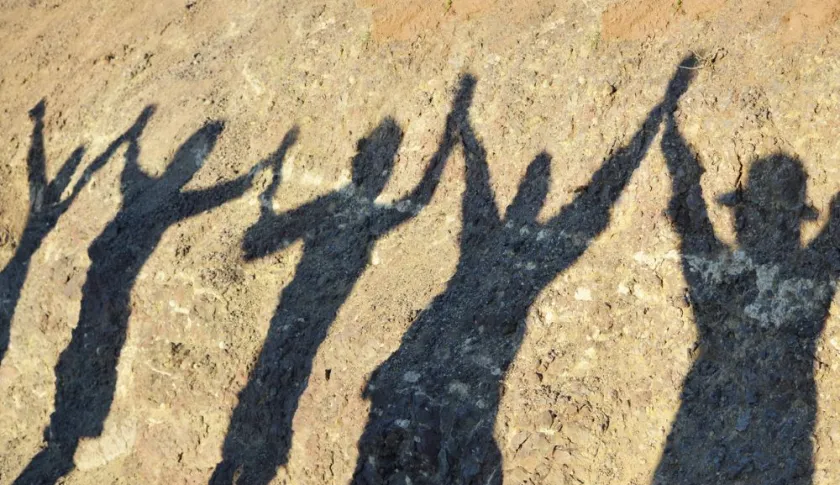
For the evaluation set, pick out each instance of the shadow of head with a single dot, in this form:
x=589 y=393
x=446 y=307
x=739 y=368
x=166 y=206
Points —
x=532 y=191
x=191 y=156
x=770 y=210
x=374 y=162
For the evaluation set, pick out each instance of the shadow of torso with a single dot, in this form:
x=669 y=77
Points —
x=438 y=395
x=87 y=368
x=749 y=400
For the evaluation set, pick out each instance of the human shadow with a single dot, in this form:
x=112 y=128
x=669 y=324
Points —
x=86 y=372
x=45 y=208
x=338 y=231
x=749 y=400
x=434 y=401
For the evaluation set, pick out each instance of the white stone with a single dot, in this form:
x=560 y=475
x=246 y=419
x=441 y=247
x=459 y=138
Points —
x=583 y=294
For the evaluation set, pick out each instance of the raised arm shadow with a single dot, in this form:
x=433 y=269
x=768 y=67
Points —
x=588 y=213
x=478 y=206
x=262 y=238
x=687 y=210
x=422 y=193
x=827 y=241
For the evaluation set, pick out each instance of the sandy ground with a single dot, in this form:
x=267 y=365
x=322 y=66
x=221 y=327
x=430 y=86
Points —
x=137 y=299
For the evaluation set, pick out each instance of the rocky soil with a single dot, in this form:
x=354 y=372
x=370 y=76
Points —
x=261 y=267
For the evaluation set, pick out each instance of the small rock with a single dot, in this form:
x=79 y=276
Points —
x=605 y=92
x=459 y=388
x=545 y=421
x=561 y=456
x=583 y=294
x=577 y=434
x=743 y=421
x=834 y=434
x=518 y=439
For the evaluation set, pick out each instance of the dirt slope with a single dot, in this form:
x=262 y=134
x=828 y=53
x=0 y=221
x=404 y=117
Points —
x=317 y=156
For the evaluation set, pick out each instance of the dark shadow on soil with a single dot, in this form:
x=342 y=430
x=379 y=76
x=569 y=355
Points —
x=86 y=372
x=749 y=401
x=434 y=401
x=338 y=231
x=45 y=208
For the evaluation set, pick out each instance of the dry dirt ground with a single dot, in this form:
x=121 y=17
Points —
x=212 y=291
